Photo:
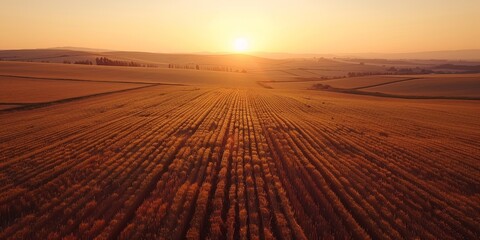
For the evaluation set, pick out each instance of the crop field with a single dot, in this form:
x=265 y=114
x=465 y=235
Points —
x=185 y=162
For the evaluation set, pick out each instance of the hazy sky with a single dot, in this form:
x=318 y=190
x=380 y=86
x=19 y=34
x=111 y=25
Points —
x=300 y=26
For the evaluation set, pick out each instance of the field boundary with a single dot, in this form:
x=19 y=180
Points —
x=328 y=88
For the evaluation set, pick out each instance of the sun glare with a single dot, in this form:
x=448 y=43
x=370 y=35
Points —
x=240 y=45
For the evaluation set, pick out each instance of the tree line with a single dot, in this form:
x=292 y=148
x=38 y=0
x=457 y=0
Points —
x=109 y=62
x=219 y=68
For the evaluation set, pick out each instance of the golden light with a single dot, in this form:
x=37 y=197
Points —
x=241 y=45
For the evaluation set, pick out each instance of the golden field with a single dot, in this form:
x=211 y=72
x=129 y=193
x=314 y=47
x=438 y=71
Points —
x=219 y=156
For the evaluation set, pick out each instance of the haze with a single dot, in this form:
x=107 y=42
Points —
x=269 y=26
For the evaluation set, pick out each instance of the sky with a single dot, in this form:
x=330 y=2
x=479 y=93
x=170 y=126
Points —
x=297 y=26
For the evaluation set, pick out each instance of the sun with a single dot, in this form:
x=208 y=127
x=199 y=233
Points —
x=241 y=45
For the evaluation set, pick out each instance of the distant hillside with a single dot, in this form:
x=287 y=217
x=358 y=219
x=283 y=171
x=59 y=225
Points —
x=468 y=54
x=82 y=49
x=310 y=66
x=60 y=55
x=274 y=55
x=240 y=60
x=473 y=68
